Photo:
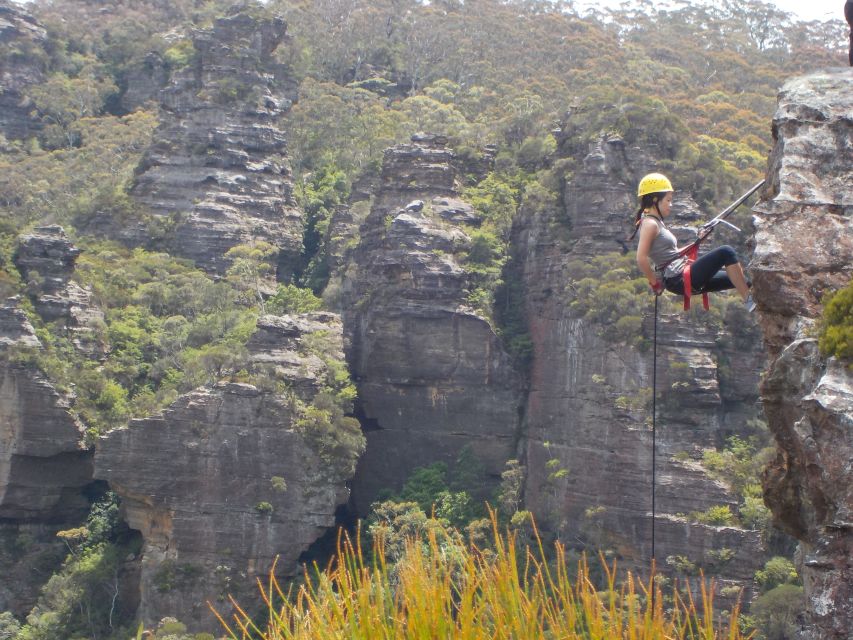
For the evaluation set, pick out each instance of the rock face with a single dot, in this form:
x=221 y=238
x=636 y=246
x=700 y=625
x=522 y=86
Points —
x=217 y=175
x=223 y=482
x=143 y=82
x=589 y=406
x=18 y=31
x=432 y=375
x=45 y=259
x=43 y=461
x=804 y=249
x=45 y=467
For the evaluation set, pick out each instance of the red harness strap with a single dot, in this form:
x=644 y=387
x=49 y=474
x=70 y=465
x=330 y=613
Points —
x=688 y=285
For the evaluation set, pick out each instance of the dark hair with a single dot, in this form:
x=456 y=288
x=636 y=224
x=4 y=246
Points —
x=646 y=202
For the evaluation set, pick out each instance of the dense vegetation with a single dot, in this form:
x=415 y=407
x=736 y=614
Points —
x=695 y=85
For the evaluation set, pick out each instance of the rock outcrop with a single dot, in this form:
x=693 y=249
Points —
x=432 y=374
x=43 y=462
x=225 y=480
x=21 y=42
x=804 y=249
x=217 y=175
x=45 y=468
x=589 y=439
x=45 y=258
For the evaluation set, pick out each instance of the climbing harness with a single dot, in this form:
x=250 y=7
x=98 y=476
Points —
x=690 y=252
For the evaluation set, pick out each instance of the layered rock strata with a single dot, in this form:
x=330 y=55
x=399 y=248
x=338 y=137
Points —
x=217 y=174
x=432 y=374
x=45 y=258
x=21 y=42
x=43 y=462
x=589 y=445
x=804 y=250
x=224 y=481
x=45 y=468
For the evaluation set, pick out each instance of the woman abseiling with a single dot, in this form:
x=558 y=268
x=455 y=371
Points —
x=658 y=254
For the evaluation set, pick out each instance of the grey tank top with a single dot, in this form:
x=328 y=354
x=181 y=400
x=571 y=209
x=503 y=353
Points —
x=664 y=251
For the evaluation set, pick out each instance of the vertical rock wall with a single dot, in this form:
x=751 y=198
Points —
x=432 y=375
x=44 y=467
x=223 y=482
x=217 y=174
x=588 y=411
x=804 y=250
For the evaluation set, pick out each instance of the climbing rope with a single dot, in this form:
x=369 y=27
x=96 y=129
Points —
x=654 y=425
x=654 y=441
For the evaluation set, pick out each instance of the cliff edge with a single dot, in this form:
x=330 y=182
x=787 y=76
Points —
x=804 y=250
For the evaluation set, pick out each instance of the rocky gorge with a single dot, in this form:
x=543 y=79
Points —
x=272 y=456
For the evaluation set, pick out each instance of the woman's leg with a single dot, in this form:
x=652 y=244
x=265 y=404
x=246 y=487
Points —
x=705 y=272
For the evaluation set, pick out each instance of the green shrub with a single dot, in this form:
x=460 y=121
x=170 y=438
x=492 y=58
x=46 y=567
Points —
x=83 y=599
x=682 y=564
x=608 y=291
x=180 y=54
x=718 y=516
x=264 y=508
x=836 y=328
x=292 y=299
x=336 y=438
x=424 y=485
x=775 y=612
x=776 y=571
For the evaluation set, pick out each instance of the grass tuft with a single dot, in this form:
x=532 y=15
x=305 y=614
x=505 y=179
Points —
x=443 y=588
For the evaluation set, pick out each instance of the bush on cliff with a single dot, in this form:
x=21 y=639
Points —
x=607 y=292
x=168 y=328
x=773 y=615
x=836 y=333
x=327 y=422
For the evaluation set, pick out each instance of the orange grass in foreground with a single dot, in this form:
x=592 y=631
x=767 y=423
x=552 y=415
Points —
x=443 y=589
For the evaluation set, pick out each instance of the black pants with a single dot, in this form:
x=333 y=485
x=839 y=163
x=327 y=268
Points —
x=707 y=273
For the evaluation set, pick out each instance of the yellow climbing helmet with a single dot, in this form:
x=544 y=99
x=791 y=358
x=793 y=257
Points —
x=654 y=183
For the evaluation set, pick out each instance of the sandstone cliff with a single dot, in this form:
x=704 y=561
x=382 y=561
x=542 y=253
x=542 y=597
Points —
x=804 y=249
x=45 y=259
x=432 y=375
x=44 y=465
x=588 y=411
x=226 y=479
x=21 y=65
x=216 y=174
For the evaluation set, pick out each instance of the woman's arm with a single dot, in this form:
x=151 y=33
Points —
x=648 y=232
